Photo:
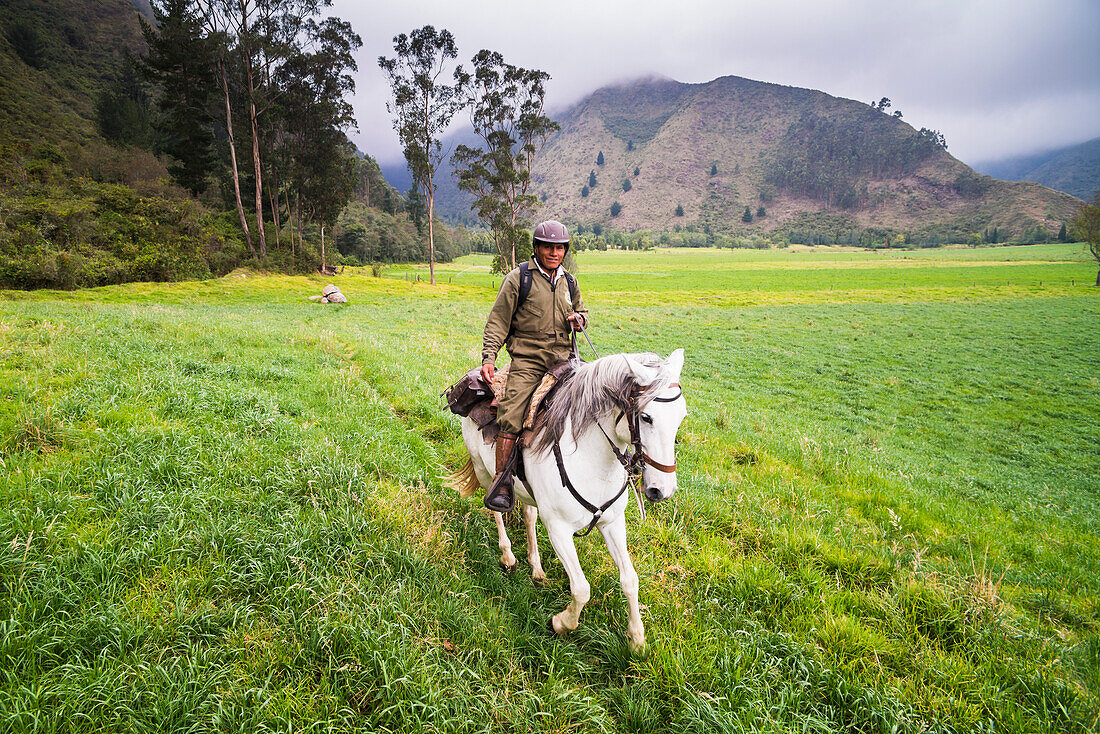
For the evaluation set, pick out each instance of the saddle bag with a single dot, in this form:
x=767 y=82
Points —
x=467 y=393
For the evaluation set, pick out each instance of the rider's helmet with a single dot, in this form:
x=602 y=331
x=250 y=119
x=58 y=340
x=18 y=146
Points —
x=552 y=232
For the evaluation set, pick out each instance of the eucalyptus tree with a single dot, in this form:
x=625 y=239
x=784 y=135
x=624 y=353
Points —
x=217 y=21
x=507 y=110
x=288 y=70
x=254 y=38
x=423 y=105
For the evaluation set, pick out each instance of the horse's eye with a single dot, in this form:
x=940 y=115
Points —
x=647 y=418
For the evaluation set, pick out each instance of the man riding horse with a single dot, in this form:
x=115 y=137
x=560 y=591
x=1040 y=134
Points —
x=538 y=305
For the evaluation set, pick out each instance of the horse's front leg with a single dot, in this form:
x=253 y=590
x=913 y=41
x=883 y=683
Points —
x=614 y=534
x=507 y=559
x=568 y=619
x=530 y=518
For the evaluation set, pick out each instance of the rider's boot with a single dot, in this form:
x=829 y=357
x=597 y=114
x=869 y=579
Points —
x=501 y=496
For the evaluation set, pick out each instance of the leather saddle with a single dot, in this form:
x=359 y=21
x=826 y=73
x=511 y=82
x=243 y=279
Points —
x=484 y=411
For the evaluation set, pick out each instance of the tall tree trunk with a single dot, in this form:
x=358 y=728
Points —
x=298 y=217
x=256 y=161
x=290 y=222
x=512 y=237
x=431 y=234
x=273 y=202
x=233 y=157
x=430 y=191
x=246 y=50
x=322 y=247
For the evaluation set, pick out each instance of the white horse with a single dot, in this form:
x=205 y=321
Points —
x=617 y=413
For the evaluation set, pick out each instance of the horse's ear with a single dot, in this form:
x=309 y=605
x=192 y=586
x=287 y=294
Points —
x=675 y=364
x=643 y=375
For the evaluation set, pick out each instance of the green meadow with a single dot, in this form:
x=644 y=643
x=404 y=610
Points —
x=221 y=506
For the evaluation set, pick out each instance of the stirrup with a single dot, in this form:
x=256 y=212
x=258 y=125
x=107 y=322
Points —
x=501 y=496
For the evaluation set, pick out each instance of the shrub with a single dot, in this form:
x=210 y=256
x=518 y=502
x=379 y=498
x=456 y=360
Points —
x=93 y=234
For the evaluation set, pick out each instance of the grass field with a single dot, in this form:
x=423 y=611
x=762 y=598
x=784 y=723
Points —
x=220 y=505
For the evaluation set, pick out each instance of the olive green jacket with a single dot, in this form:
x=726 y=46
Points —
x=539 y=327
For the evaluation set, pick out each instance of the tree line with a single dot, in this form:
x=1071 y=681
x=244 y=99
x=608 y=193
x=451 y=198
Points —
x=252 y=97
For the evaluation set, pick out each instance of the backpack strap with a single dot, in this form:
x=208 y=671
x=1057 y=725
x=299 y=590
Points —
x=524 y=286
x=524 y=291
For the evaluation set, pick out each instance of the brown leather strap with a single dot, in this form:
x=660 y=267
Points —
x=666 y=468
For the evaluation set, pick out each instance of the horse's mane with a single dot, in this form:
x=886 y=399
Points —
x=594 y=390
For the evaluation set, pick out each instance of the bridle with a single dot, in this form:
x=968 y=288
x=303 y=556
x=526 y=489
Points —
x=631 y=461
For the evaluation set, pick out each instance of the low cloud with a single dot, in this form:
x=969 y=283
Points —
x=998 y=78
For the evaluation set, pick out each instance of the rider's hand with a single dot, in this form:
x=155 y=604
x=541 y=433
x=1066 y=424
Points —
x=488 y=371
x=575 y=321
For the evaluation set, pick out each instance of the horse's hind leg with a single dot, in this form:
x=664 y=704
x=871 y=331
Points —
x=568 y=619
x=614 y=534
x=530 y=518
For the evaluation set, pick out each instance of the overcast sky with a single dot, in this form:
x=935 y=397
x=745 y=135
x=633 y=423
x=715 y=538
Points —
x=997 y=77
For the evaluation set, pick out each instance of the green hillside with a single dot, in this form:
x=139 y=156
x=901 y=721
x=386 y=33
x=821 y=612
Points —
x=55 y=59
x=87 y=182
x=1075 y=170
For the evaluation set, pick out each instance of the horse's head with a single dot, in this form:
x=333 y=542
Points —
x=659 y=414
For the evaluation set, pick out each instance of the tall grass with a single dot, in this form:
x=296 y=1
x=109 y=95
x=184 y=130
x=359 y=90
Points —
x=220 y=509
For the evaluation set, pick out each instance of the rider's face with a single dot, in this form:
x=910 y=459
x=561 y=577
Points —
x=549 y=254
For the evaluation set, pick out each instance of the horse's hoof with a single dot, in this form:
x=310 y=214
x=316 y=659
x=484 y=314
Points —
x=550 y=626
x=508 y=570
x=539 y=581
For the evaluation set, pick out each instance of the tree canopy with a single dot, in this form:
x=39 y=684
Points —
x=1086 y=227
x=507 y=114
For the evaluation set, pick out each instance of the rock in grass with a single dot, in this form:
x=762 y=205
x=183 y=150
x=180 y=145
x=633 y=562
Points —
x=330 y=294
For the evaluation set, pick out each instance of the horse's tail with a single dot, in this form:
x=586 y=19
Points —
x=464 y=481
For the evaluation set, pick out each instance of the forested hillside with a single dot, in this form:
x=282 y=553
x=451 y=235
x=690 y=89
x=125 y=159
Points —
x=737 y=158
x=1075 y=170
x=168 y=141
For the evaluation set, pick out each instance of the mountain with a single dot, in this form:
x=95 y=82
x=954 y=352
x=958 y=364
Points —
x=813 y=161
x=1074 y=170
x=397 y=175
